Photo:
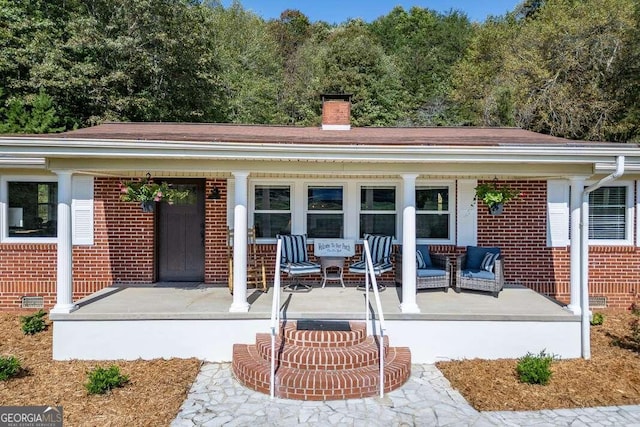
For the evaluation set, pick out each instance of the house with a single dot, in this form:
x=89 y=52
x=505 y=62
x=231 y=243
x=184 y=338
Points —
x=67 y=240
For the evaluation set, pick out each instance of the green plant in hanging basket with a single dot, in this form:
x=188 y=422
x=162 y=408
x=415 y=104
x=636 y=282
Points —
x=491 y=194
x=146 y=191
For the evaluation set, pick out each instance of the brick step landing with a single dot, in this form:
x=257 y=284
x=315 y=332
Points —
x=362 y=354
x=307 y=371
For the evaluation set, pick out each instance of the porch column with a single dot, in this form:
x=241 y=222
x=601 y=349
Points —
x=577 y=186
x=409 y=304
x=64 y=265
x=240 y=304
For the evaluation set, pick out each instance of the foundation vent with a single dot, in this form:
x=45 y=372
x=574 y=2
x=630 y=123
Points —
x=32 y=302
x=598 y=302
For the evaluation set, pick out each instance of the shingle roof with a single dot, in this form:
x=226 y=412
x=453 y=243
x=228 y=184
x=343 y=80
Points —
x=195 y=132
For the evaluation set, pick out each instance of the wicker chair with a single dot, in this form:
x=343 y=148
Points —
x=434 y=274
x=475 y=271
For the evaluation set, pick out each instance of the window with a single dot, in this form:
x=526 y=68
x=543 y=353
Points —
x=32 y=209
x=433 y=218
x=272 y=213
x=377 y=210
x=325 y=214
x=607 y=213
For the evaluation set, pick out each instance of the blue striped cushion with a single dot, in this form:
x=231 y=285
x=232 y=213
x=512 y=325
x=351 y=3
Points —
x=488 y=261
x=301 y=268
x=380 y=247
x=294 y=248
x=420 y=264
x=378 y=269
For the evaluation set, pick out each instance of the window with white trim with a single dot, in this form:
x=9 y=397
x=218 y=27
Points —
x=272 y=210
x=433 y=215
x=32 y=209
x=325 y=211
x=608 y=213
x=378 y=213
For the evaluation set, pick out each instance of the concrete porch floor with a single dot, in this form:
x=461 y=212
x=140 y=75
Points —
x=193 y=320
x=196 y=301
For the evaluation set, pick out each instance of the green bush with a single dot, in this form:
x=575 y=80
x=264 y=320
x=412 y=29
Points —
x=102 y=380
x=597 y=319
x=33 y=323
x=9 y=367
x=535 y=369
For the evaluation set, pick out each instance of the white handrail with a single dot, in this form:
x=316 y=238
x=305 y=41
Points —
x=275 y=318
x=371 y=275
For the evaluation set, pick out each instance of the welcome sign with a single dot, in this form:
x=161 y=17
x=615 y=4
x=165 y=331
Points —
x=334 y=247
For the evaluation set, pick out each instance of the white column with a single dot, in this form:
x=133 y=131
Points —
x=577 y=186
x=240 y=304
x=64 y=266
x=409 y=304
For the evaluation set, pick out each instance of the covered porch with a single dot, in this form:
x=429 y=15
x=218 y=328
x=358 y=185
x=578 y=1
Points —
x=178 y=320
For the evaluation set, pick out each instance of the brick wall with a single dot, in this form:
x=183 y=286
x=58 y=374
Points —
x=123 y=251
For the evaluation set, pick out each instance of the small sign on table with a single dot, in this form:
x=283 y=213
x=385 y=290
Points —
x=334 y=247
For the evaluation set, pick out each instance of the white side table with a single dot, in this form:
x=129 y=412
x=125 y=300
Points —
x=327 y=262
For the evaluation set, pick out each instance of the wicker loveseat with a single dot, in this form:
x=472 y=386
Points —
x=432 y=270
x=480 y=269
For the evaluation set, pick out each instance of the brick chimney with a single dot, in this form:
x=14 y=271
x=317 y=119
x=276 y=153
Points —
x=336 y=111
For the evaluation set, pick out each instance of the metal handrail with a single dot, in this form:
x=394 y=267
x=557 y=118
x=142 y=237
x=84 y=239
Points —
x=275 y=318
x=370 y=277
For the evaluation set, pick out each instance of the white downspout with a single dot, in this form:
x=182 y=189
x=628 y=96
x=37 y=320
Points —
x=584 y=255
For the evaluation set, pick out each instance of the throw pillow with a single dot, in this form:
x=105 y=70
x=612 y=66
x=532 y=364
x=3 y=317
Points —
x=488 y=261
x=420 y=264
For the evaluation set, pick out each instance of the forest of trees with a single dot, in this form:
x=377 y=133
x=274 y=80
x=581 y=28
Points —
x=569 y=68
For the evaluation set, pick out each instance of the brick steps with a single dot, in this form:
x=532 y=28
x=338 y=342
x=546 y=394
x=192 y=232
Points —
x=321 y=365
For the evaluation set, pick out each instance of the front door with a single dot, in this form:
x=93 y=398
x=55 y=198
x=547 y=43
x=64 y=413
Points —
x=181 y=235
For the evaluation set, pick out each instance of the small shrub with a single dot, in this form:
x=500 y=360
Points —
x=535 y=369
x=102 y=380
x=597 y=319
x=9 y=367
x=635 y=310
x=33 y=323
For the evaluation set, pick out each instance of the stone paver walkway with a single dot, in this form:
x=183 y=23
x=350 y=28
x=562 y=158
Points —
x=427 y=399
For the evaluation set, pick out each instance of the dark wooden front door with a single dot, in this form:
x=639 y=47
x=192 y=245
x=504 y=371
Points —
x=181 y=235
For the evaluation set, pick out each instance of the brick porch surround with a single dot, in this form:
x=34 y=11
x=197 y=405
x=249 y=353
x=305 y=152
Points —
x=320 y=364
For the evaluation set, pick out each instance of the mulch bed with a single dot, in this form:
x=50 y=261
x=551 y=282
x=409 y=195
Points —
x=152 y=397
x=611 y=377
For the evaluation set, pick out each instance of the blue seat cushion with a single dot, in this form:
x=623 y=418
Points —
x=300 y=268
x=430 y=272
x=475 y=256
x=378 y=269
x=478 y=274
x=423 y=250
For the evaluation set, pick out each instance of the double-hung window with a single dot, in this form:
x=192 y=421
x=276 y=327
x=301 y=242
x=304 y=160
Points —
x=32 y=209
x=272 y=213
x=378 y=211
x=433 y=215
x=325 y=211
x=608 y=213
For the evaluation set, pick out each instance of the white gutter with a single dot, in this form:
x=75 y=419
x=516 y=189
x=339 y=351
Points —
x=584 y=255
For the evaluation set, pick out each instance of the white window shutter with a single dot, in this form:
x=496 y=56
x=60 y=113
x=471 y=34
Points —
x=557 y=213
x=82 y=210
x=467 y=213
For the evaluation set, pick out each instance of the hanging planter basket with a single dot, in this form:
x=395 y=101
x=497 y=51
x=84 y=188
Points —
x=496 y=209
x=148 y=206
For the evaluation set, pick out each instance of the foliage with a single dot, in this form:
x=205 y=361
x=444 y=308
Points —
x=9 y=367
x=101 y=380
x=597 y=319
x=146 y=190
x=535 y=369
x=563 y=67
x=490 y=193
x=33 y=323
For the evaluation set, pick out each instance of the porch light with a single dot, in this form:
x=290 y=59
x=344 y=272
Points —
x=215 y=193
